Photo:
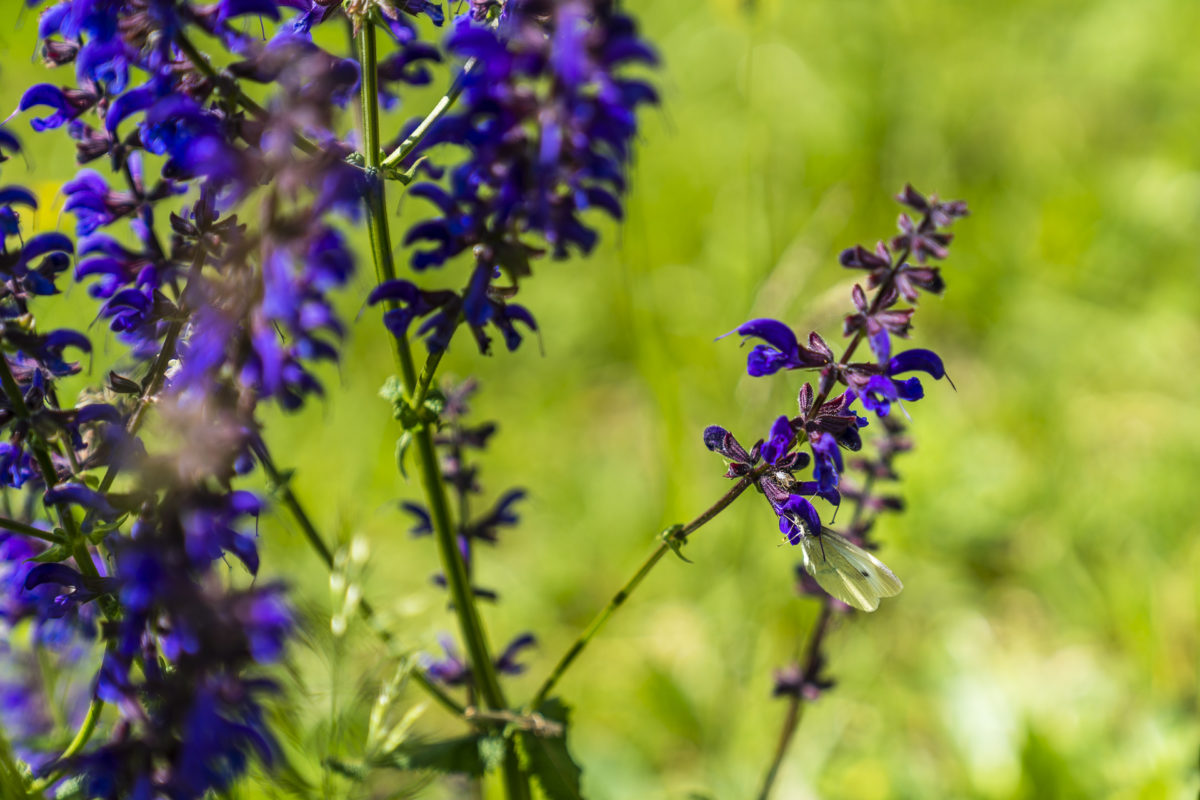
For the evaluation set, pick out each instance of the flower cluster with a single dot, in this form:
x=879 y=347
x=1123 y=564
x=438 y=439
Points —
x=547 y=119
x=808 y=681
x=455 y=441
x=218 y=313
x=897 y=271
x=208 y=229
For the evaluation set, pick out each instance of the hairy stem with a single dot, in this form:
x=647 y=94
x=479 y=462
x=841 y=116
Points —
x=623 y=593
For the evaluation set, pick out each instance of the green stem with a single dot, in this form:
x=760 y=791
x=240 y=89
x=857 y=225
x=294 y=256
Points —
x=81 y=738
x=28 y=530
x=315 y=540
x=443 y=105
x=427 y=372
x=469 y=621
x=622 y=595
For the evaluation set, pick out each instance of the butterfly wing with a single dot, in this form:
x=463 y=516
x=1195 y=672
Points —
x=848 y=572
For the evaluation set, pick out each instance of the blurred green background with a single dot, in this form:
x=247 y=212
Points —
x=1045 y=645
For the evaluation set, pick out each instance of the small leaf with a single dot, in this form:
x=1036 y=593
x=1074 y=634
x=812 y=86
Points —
x=73 y=788
x=404 y=176
x=393 y=390
x=435 y=401
x=102 y=529
x=670 y=537
x=53 y=554
x=548 y=759
x=402 y=444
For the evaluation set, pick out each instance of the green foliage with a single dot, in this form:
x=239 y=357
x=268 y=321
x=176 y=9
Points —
x=1051 y=544
x=472 y=755
x=547 y=759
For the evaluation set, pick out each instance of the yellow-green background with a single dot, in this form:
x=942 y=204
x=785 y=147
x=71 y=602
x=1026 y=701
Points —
x=1045 y=645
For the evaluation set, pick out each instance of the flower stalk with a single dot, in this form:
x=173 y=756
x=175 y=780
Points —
x=470 y=623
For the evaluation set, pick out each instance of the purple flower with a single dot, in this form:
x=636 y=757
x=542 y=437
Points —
x=879 y=391
x=798 y=518
x=452 y=670
x=67 y=104
x=782 y=350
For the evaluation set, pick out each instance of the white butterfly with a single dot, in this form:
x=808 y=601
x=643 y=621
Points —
x=846 y=571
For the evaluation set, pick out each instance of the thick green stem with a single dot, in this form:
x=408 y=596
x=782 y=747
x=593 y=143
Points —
x=469 y=621
x=622 y=595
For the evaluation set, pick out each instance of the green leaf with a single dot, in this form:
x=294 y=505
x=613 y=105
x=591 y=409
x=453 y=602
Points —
x=471 y=755
x=97 y=534
x=670 y=537
x=393 y=390
x=404 y=176
x=73 y=788
x=435 y=401
x=54 y=553
x=548 y=759
x=402 y=444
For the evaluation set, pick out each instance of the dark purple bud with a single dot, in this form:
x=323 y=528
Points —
x=912 y=198
x=424 y=523
x=722 y=442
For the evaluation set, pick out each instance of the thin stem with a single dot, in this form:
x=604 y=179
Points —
x=28 y=530
x=81 y=738
x=423 y=382
x=258 y=112
x=317 y=542
x=796 y=703
x=622 y=595
x=443 y=105
x=470 y=623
